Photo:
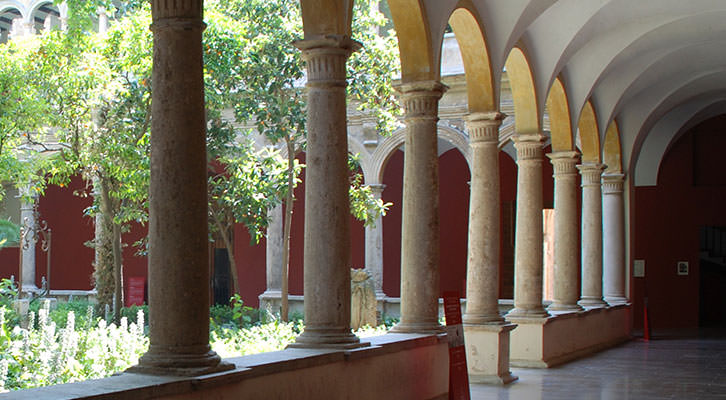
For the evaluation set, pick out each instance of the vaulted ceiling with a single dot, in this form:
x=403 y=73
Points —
x=646 y=68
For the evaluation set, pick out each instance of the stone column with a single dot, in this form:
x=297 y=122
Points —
x=327 y=216
x=591 y=235
x=374 y=245
x=102 y=20
x=420 y=230
x=613 y=239
x=482 y=275
x=528 y=245
x=273 y=261
x=178 y=242
x=27 y=243
x=567 y=267
x=486 y=333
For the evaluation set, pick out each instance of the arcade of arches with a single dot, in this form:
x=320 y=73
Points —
x=610 y=112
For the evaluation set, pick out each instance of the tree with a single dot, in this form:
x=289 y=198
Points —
x=97 y=90
x=272 y=95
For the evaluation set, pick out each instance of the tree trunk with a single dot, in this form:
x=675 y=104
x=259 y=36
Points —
x=109 y=209
x=284 y=305
x=103 y=245
x=117 y=273
x=224 y=231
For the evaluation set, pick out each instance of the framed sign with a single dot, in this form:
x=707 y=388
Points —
x=682 y=267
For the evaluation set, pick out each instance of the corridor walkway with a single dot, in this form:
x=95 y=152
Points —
x=664 y=368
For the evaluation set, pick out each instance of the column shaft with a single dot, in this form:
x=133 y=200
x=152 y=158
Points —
x=178 y=243
x=420 y=231
x=591 y=235
x=528 y=245
x=327 y=215
x=567 y=267
x=482 y=276
x=374 y=245
x=273 y=251
x=613 y=239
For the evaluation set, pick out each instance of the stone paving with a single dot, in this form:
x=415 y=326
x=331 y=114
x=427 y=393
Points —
x=663 y=368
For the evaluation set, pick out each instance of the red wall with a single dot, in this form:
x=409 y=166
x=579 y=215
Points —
x=71 y=260
x=665 y=223
x=9 y=258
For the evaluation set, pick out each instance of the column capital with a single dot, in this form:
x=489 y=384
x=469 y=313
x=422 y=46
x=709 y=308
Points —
x=613 y=183
x=591 y=173
x=529 y=146
x=326 y=58
x=421 y=99
x=484 y=126
x=376 y=188
x=564 y=163
x=163 y=9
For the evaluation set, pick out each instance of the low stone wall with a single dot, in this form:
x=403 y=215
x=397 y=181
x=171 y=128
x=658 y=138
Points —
x=546 y=342
x=394 y=366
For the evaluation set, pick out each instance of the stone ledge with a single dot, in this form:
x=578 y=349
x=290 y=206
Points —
x=546 y=342
x=268 y=367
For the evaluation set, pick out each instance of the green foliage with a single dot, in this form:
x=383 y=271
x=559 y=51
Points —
x=44 y=354
x=9 y=233
x=87 y=347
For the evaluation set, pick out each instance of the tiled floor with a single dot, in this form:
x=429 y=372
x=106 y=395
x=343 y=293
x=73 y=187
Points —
x=663 y=368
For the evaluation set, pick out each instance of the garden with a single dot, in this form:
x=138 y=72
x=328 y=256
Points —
x=73 y=341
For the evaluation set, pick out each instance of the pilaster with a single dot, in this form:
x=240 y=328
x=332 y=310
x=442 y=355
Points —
x=374 y=244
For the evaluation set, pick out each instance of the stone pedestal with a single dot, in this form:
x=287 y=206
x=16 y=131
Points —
x=482 y=276
x=567 y=267
x=178 y=242
x=591 y=235
x=487 y=352
x=613 y=239
x=528 y=240
x=327 y=216
x=420 y=233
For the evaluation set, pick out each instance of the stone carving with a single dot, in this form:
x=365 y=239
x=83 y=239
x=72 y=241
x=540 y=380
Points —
x=363 y=299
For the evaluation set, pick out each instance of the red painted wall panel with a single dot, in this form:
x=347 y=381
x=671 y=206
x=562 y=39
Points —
x=665 y=227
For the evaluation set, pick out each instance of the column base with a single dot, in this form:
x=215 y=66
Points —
x=481 y=319
x=487 y=353
x=562 y=307
x=418 y=327
x=592 y=302
x=527 y=313
x=176 y=364
x=616 y=300
x=311 y=339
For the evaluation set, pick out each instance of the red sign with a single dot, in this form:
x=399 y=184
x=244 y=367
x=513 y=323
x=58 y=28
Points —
x=458 y=372
x=135 y=295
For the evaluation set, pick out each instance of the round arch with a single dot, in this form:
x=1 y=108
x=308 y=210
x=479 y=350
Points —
x=385 y=150
x=589 y=134
x=475 y=56
x=526 y=112
x=612 y=151
x=414 y=41
x=667 y=131
x=326 y=17
x=559 y=112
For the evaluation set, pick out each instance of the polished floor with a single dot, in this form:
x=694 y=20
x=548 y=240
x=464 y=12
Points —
x=667 y=367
